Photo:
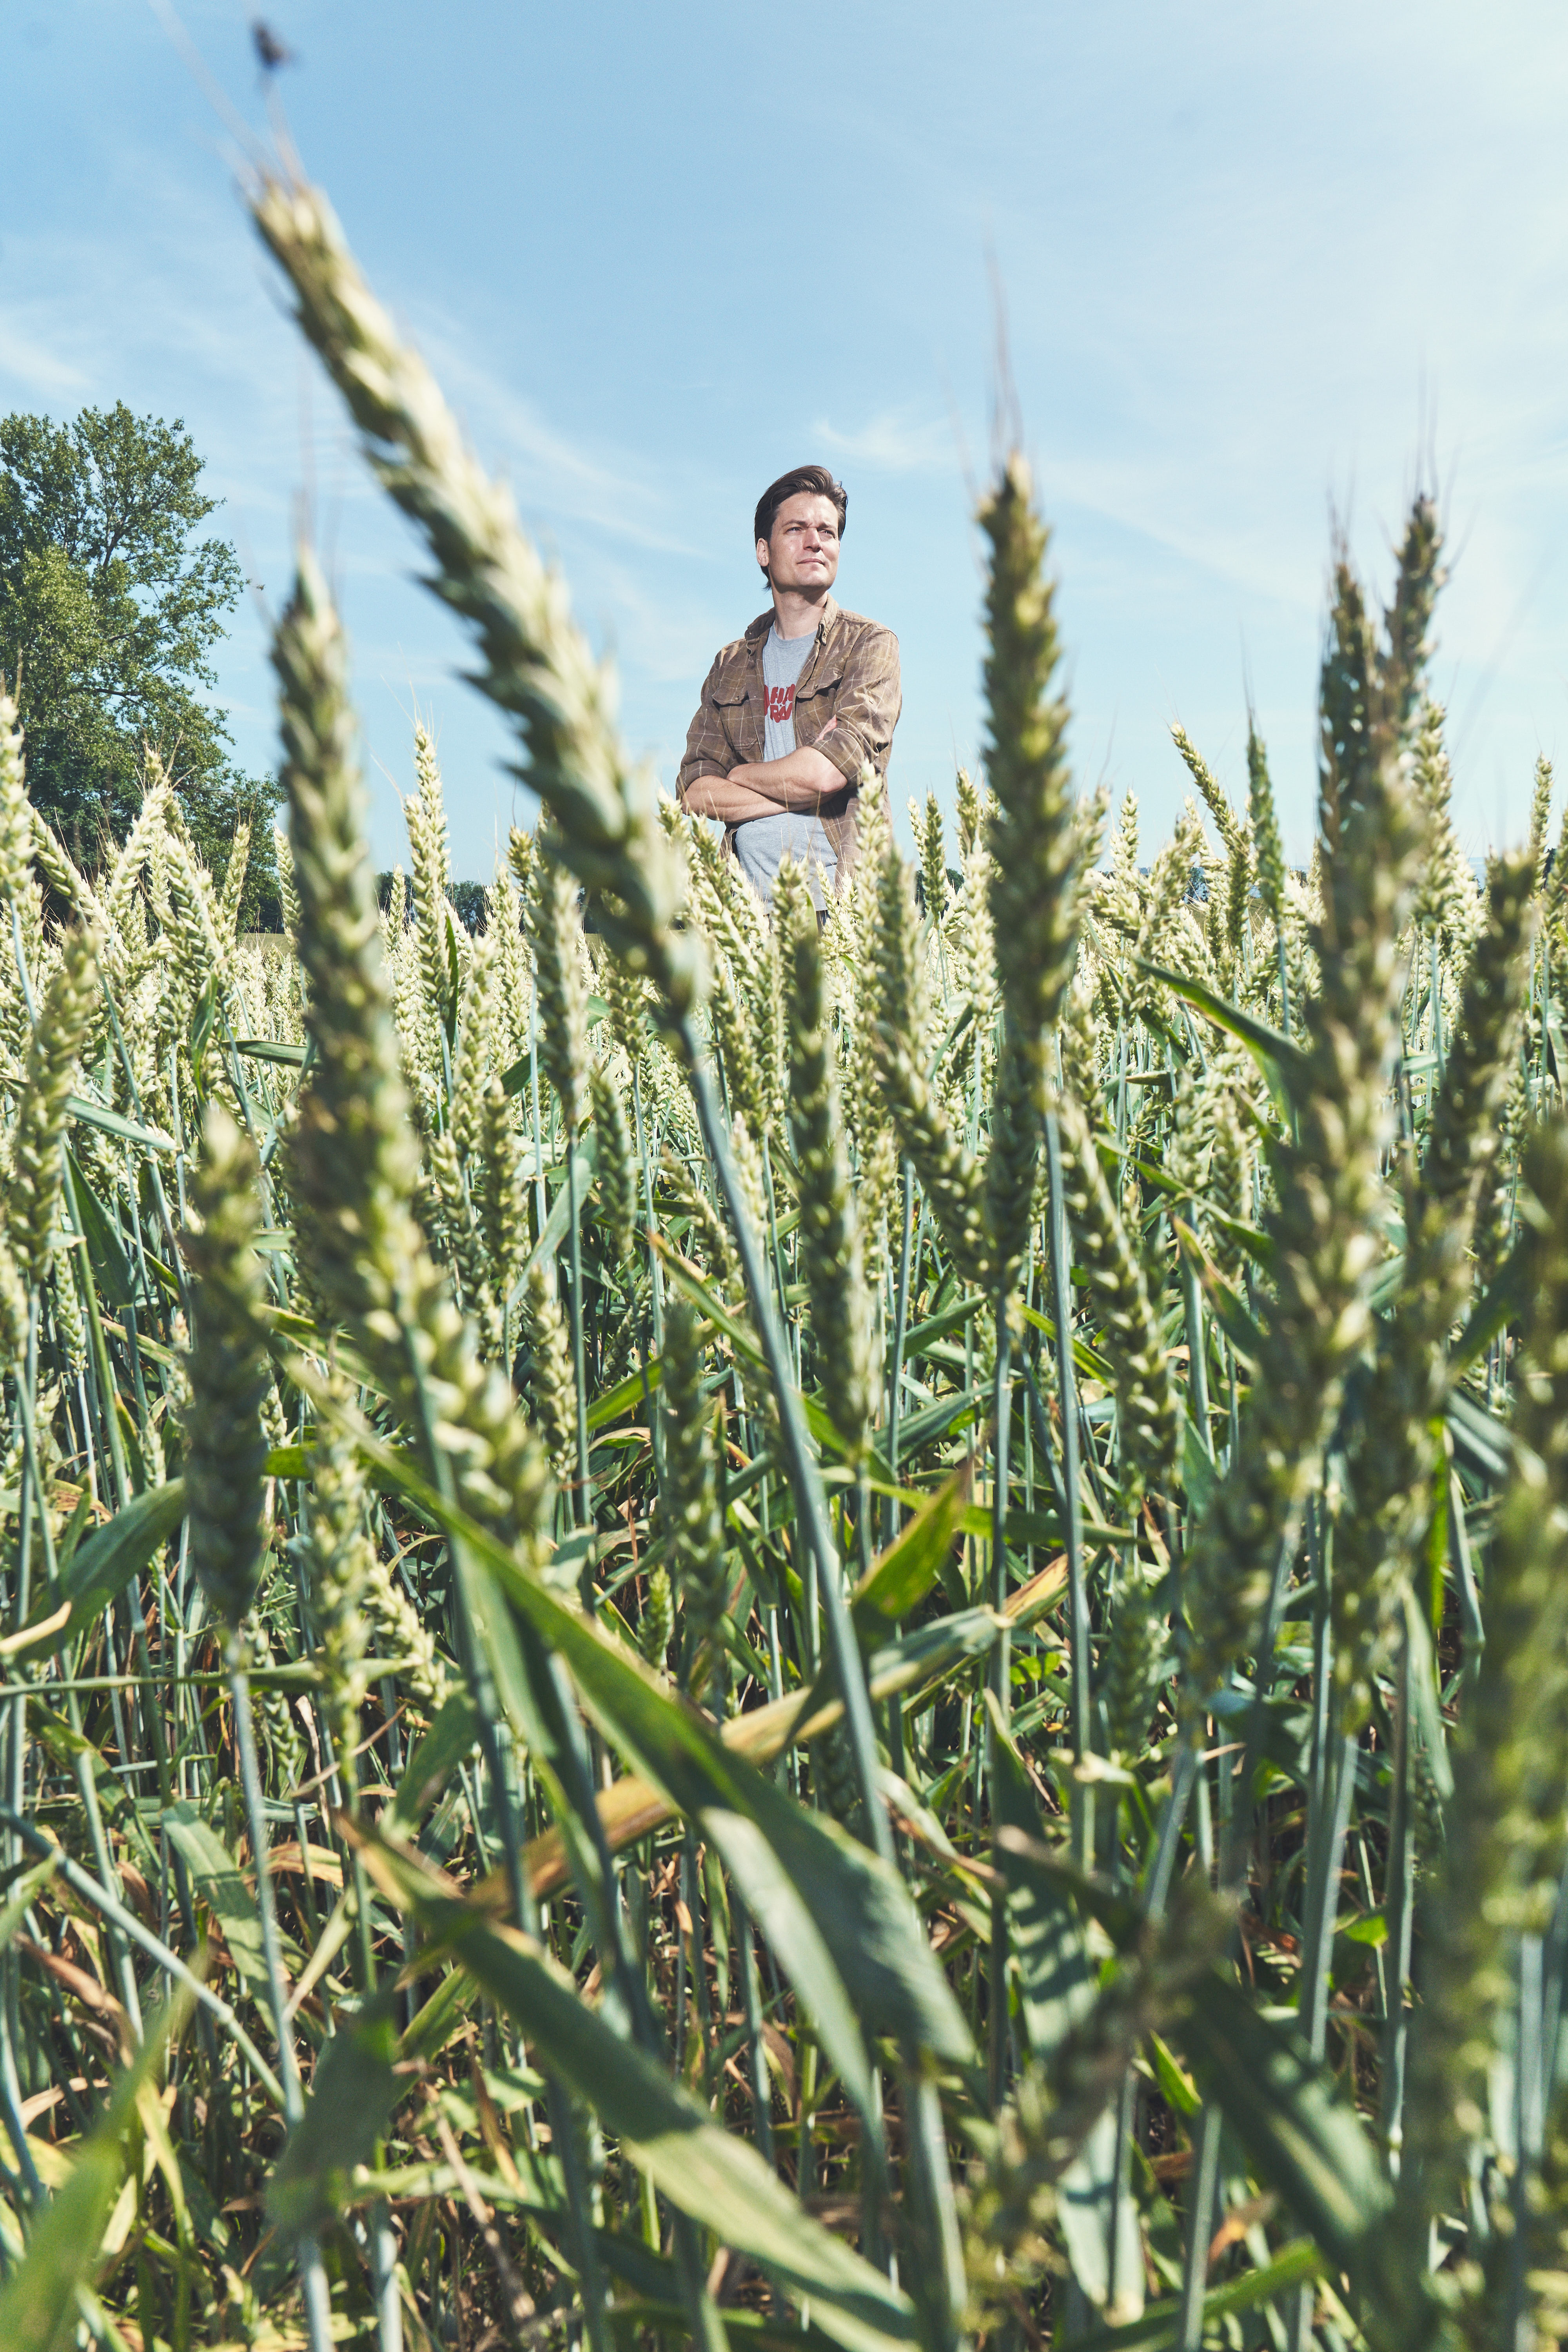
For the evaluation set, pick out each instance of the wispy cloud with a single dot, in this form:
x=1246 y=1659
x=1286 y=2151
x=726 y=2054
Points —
x=895 y=440
x=668 y=640
x=34 y=367
x=553 y=473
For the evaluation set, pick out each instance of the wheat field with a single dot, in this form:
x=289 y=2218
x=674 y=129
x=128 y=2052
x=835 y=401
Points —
x=717 y=1633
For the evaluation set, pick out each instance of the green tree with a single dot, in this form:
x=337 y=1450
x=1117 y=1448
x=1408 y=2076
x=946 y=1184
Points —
x=110 y=603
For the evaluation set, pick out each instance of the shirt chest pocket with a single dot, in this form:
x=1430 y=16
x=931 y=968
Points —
x=815 y=700
x=741 y=719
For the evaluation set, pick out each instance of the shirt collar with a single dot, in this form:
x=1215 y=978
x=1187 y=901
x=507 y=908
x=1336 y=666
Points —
x=759 y=628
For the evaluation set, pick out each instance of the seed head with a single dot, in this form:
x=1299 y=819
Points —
x=226 y=1446
x=1145 y=1397
x=656 y=1628
x=831 y=1255
x=503 y=1192
x=1540 y=817
x=1034 y=837
x=952 y=1179
x=355 y=1161
x=934 y=858
x=1505 y=1820
x=617 y=1174
x=551 y=1391
x=555 y=934
x=689 y=1500
x=1323 y=1224
x=534 y=661
x=16 y=812
x=58 y=1041
x=1269 y=849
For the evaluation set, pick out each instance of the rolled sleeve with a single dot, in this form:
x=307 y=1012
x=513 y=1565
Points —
x=708 y=750
x=866 y=706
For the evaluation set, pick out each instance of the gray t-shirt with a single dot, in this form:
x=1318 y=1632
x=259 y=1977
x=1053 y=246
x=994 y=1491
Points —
x=762 y=845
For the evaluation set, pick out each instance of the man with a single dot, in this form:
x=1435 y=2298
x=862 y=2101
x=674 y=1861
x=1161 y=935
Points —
x=793 y=710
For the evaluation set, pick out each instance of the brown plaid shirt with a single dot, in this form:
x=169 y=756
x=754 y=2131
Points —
x=851 y=674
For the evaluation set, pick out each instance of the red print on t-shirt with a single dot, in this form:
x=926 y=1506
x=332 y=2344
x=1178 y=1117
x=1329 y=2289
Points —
x=780 y=704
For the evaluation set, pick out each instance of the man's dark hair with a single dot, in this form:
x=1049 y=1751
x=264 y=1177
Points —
x=814 y=478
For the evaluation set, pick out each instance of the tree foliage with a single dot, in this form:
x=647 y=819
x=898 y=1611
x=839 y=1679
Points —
x=111 y=601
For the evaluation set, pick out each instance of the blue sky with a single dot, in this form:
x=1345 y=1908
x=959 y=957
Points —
x=1261 y=268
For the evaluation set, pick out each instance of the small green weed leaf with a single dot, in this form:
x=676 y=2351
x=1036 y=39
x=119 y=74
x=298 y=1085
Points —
x=1176 y=2083
x=626 y=1395
x=439 y=1752
x=101 y=1565
x=105 y=1250
x=270 y=1049
x=23 y=1890
x=113 y=1122
x=218 y=1881
x=906 y=1571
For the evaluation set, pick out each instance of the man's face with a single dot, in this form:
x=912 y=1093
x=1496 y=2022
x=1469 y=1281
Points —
x=803 y=552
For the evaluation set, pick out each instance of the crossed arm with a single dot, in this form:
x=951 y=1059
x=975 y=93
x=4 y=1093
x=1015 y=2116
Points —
x=802 y=780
